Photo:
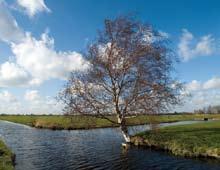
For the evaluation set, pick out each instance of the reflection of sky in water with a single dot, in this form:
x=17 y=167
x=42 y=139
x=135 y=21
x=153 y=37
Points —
x=135 y=129
x=39 y=149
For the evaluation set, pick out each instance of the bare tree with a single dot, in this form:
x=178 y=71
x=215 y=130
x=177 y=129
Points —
x=129 y=73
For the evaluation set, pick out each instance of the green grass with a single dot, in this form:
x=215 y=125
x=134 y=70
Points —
x=87 y=122
x=6 y=157
x=195 y=140
x=58 y=122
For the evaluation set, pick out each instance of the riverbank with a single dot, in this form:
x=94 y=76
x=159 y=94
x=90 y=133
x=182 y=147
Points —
x=58 y=122
x=7 y=158
x=195 y=140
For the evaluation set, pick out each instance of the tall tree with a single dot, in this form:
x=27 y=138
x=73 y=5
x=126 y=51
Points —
x=129 y=73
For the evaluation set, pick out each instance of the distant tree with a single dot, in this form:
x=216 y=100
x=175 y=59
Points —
x=209 y=110
x=199 y=111
x=129 y=73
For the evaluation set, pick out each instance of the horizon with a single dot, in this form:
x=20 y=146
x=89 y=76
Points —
x=41 y=43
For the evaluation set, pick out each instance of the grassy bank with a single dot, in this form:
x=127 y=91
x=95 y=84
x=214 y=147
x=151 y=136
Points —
x=6 y=157
x=195 y=140
x=87 y=122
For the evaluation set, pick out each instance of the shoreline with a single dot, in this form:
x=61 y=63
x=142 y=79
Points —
x=88 y=122
x=90 y=128
x=140 y=143
x=200 y=140
x=87 y=128
x=7 y=158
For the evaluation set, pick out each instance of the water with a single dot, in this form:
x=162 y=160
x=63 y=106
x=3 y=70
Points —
x=40 y=149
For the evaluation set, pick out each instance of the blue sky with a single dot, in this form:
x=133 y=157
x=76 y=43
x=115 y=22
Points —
x=40 y=38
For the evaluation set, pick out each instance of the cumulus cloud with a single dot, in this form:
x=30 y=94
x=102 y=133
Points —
x=201 y=99
x=32 y=95
x=202 y=94
x=9 y=31
x=38 y=104
x=13 y=75
x=35 y=60
x=40 y=59
x=149 y=36
x=164 y=34
x=6 y=96
x=190 y=47
x=213 y=83
x=9 y=103
x=31 y=103
x=193 y=86
x=32 y=7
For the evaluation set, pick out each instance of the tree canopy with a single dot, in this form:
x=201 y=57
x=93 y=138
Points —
x=129 y=72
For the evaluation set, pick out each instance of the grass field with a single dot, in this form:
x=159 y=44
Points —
x=6 y=157
x=87 y=122
x=195 y=140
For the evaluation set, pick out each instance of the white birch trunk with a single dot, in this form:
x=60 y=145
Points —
x=124 y=131
x=126 y=136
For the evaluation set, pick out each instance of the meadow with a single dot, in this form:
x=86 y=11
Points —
x=194 y=140
x=59 y=122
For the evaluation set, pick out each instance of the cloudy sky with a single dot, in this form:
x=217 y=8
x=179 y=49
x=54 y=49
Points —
x=41 y=43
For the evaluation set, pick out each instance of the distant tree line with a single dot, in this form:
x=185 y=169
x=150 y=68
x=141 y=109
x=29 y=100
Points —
x=209 y=110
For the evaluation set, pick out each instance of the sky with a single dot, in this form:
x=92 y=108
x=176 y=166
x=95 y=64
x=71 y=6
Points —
x=41 y=42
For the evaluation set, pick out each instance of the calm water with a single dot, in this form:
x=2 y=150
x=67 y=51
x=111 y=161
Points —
x=38 y=149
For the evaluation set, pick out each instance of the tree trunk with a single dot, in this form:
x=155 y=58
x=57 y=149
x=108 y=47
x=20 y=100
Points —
x=125 y=134
x=124 y=129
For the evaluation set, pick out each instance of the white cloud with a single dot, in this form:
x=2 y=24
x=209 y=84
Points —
x=13 y=75
x=213 y=83
x=32 y=95
x=193 y=86
x=32 y=103
x=38 y=104
x=165 y=35
x=202 y=95
x=40 y=59
x=35 y=60
x=5 y=96
x=201 y=99
x=9 y=103
x=190 y=47
x=149 y=36
x=32 y=7
x=9 y=31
